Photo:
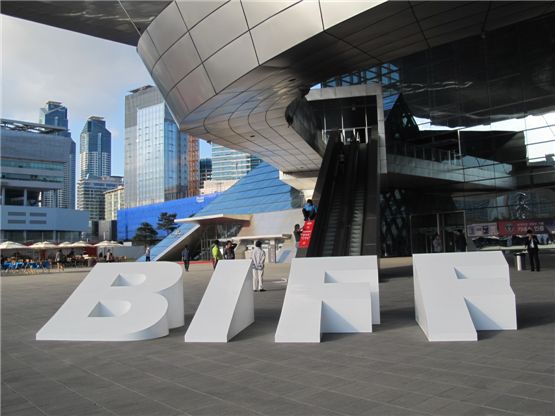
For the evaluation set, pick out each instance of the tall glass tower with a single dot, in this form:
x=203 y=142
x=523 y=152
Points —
x=96 y=148
x=55 y=114
x=228 y=164
x=157 y=154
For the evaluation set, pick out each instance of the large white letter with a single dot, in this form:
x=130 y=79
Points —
x=329 y=294
x=456 y=294
x=227 y=306
x=121 y=302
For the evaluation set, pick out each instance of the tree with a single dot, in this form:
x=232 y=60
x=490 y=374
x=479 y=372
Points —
x=166 y=222
x=146 y=234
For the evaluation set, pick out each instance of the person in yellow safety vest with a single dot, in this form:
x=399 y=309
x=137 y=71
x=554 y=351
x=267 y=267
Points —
x=216 y=253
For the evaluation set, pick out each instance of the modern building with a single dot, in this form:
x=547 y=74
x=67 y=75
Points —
x=114 y=200
x=161 y=163
x=34 y=161
x=437 y=117
x=95 y=148
x=55 y=114
x=90 y=194
x=228 y=164
x=205 y=171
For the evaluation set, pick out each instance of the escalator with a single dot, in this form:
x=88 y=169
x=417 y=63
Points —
x=347 y=196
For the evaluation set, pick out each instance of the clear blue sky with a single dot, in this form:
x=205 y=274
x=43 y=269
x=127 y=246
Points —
x=90 y=76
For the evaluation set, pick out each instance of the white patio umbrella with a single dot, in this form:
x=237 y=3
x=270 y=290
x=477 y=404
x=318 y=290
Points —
x=107 y=243
x=80 y=244
x=10 y=245
x=43 y=245
x=65 y=244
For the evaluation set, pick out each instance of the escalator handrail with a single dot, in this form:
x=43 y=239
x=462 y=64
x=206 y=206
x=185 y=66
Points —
x=322 y=197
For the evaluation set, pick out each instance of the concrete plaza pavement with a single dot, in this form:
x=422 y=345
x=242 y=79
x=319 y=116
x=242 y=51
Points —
x=393 y=371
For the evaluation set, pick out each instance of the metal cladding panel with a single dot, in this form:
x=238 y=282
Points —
x=257 y=11
x=232 y=61
x=219 y=28
x=147 y=51
x=196 y=88
x=181 y=58
x=163 y=76
x=288 y=28
x=334 y=12
x=167 y=28
x=175 y=101
x=193 y=11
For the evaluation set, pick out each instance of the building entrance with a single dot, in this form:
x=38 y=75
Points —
x=424 y=227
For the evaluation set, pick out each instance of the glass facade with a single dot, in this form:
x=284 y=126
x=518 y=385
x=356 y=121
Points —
x=129 y=219
x=90 y=194
x=481 y=110
x=228 y=164
x=96 y=148
x=55 y=114
x=157 y=154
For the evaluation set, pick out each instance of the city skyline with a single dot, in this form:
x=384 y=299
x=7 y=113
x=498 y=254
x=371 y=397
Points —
x=89 y=76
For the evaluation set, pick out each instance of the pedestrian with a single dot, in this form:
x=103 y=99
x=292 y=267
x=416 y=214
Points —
x=258 y=258
x=186 y=257
x=147 y=253
x=532 y=245
x=216 y=253
x=297 y=233
x=460 y=243
x=109 y=257
x=436 y=244
x=59 y=259
x=309 y=210
x=229 y=250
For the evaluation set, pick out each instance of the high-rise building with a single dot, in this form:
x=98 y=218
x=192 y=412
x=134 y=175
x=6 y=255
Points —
x=157 y=155
x=34 y=160
x=96 y=148
x=228 y=164
x=90 y=194
x=55 y=114
x=114 y=200
x=205 y=171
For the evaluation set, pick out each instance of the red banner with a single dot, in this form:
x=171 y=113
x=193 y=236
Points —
x=304 y=242
x=520 y=227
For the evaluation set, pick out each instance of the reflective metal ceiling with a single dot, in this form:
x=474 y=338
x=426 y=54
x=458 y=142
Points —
x=119 y=21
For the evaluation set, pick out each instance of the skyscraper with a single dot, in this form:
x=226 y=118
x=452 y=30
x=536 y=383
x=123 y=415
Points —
x=55 y=114
x=157 y=155
x=90 y=194
x=95 y=148
x=205 y=170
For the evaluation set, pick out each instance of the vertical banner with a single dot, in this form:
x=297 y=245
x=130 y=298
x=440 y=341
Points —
x=304 y=242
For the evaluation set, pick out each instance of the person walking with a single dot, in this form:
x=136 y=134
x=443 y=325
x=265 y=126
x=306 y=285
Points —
x=229 y=250
x=258 y=258
x=215 y=253
x=60 y=260
x=436 y=244
x=147 y=253
x=532 y=246
x=460 y=242
x=186 y=257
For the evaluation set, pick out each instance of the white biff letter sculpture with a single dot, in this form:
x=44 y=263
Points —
x=121 y=302
x=227 y=306
x=456 y=294
x=329 y=294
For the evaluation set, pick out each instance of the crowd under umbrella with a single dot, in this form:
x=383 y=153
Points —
x=42 y=247
x=10 y=246
x=107 y=244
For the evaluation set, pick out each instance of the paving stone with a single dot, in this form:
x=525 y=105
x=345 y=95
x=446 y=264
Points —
x=392 y=371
